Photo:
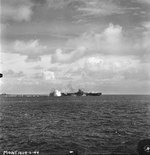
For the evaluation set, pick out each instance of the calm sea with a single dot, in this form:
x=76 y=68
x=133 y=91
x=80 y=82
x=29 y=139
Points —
x=104 y=124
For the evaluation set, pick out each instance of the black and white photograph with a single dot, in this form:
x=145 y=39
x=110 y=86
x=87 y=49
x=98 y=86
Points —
x=75 y=77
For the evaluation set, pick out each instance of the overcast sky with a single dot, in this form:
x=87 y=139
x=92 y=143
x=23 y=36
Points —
x=95 y=45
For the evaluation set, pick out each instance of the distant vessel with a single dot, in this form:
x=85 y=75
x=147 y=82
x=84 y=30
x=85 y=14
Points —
x=78 y=93
x=81 y=93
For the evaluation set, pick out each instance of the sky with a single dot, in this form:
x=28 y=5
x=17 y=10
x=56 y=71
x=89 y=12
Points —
x=95 y=45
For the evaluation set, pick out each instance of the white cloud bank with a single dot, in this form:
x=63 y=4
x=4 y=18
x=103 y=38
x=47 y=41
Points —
x=48 y=75
x=32 y=49
x=111 y=41
x=69 y=57
x=98 y=59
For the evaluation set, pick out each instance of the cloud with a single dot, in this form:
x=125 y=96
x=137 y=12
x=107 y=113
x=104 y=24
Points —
x=14 y=64
x=100 y=8
x=63 y=4
x=146 y=25
x=48 y=75
x=108 y=68
x=145 y=43
x=17 y=10
x=88 y=7
x=39 y=1
x=109 y=41
x=18 y=14
x=81 y=56
x=112 y=41
x=110 y=63
x=69 y=57
x=10 y=62
x=32 y=49
x=11 y=74
x=44 y=75
x=90 y=73
x=144 y=1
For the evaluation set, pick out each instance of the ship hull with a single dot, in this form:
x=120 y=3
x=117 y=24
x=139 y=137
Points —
x=93 y=94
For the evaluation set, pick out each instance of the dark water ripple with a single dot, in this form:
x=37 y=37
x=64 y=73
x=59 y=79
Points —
x=102 y=124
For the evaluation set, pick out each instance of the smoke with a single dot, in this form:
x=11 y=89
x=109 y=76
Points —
x=68 y=88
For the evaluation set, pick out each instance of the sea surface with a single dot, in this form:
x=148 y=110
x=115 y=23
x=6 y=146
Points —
x=102 y=124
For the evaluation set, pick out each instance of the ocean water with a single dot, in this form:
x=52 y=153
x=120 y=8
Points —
x=102 y=124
